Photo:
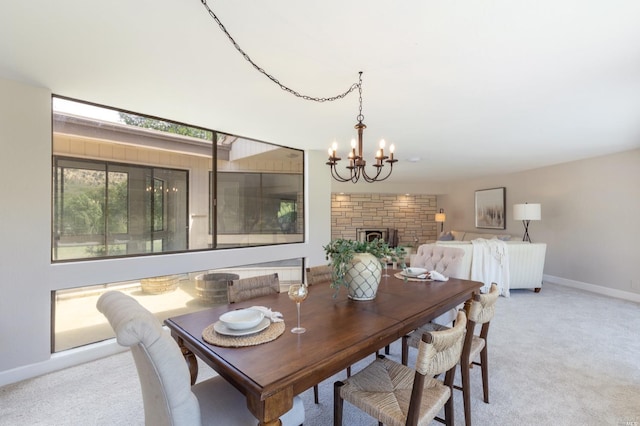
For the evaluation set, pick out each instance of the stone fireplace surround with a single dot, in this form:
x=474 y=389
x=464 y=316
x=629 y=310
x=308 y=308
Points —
x=413 y=216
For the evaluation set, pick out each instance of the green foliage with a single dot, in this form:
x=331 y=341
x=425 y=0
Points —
x=340 y=252
x=165 y=126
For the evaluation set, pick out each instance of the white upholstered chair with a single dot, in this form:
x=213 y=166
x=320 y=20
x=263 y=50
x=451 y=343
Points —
x=399 y=395
x=169 y=398
x=445 y=260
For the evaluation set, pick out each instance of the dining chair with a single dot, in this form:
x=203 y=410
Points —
x=480 y=311
x=262 y=285
x=445 y=260
x=252 y=287
x=318 y=274
x=399 y=395
x=167 y=394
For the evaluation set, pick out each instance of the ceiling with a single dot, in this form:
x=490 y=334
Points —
x=463 y=89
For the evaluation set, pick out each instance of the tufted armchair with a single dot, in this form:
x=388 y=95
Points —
x=446 y=260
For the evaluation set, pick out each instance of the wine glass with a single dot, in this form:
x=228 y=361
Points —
x=297 y=293
x=386 y=266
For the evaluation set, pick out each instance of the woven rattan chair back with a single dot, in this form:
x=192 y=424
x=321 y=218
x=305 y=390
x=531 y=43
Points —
x=318 y=274
x=250 y=288
x=389 y=392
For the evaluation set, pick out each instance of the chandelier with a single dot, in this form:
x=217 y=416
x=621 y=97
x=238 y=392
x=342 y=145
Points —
x=357 y=162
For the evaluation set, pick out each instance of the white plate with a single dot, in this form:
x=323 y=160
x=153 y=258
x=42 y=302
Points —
x=414 y=272
x=223 y=329
x=241 y=319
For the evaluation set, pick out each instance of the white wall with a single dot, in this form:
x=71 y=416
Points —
x=28 y=277
x=589 y=218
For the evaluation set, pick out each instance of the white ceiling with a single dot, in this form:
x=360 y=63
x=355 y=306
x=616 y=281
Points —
x=472 y=88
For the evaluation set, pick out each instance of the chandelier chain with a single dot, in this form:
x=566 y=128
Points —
x=275 y=80
x=360 y=117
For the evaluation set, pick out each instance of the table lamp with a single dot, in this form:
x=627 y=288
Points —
x=440 y=218
x=526 y=212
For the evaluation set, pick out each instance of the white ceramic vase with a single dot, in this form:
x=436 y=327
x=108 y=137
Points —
x=363 y=277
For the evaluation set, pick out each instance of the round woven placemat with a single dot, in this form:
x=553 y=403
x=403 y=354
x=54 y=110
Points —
x=399 y=276
x=270 y=333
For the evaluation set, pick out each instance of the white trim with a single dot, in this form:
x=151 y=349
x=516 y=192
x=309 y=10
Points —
x=62 y=360
x=607 y=291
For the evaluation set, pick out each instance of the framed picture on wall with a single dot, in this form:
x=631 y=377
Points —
x=490 y=211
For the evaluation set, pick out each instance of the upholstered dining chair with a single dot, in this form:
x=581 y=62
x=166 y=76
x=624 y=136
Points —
x=480 y=311
x=252 y=287
x=399 y=395
x=442 y=259
x=167 y=394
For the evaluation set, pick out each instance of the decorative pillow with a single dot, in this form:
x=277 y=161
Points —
x=503 y=237
x=458 y=235
x=445 y=236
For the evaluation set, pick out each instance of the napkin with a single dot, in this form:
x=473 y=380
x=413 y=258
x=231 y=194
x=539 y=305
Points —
x=268 y=313
x=434 y=275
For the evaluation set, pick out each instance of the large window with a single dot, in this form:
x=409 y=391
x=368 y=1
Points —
x=108 y=209
x=126 y=185
x=77 y=322
x=253 y=207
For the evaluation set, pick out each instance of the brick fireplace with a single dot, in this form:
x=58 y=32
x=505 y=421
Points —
x=413 y=216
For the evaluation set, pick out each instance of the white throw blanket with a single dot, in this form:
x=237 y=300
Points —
x=490 y=264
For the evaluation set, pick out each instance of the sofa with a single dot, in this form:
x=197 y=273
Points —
x=525 y=260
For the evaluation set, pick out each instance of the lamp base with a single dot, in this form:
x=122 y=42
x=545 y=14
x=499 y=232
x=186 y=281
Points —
x=526 y=237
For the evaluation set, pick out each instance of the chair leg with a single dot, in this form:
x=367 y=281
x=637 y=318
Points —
x=337 y=404
x=466 y=392
x=315 y=395
x=448 y=406
x=349 y=371
x=405 y=350
x=387 y=349
x=485 y=373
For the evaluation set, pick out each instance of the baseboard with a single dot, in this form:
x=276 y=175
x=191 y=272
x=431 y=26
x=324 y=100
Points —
x=606 y=291
x=62 y=360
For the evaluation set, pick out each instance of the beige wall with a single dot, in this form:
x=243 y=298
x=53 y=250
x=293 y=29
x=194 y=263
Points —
x=589 y=218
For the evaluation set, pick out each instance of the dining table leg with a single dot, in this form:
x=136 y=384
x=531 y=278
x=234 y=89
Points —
x=268 y=411
x=190 y=358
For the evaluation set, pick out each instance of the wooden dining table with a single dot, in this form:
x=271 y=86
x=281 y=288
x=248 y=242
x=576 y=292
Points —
x=339 y=332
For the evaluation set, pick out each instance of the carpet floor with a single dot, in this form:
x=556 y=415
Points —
x=558 y=357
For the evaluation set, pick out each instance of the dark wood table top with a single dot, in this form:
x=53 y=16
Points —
x=339 y=333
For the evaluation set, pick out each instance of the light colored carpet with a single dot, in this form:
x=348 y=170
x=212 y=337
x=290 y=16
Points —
x=559 y=357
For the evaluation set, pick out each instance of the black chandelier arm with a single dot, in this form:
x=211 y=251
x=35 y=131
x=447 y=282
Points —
x=359 y=172
x=376 y=177
x=336 y=175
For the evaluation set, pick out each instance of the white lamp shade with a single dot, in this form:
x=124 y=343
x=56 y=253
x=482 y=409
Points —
x=527 y=212
x=440 y=217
